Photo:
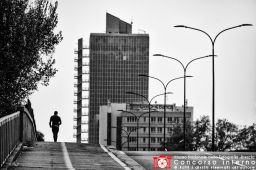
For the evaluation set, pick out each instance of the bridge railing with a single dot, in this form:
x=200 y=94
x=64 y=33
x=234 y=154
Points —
x=16 y=128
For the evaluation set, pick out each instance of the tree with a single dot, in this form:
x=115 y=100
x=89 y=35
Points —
x=176 y=142
x=198 y=136
x=226 y=133
x=201 y=133
x=251 y=142
x=27 y=43
x=246 y=138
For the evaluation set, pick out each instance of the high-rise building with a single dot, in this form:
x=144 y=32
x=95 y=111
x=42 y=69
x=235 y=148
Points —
x=116 y=58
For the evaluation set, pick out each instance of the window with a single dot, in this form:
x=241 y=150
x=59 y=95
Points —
x=145 y=119
x=169 y=129
x=153 y=130
x=131 y=119
x=169 y=120
x=144 y=129
x=153 y=119
x=131 y=128
x=132 y=139
x=159 y=129
x=159 y=140
x=159 y=119
x=153 y=140
x=144 y=140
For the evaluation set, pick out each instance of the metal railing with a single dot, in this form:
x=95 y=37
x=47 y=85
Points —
x=16 y=128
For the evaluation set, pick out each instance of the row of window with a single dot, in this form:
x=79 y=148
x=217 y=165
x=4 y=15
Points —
x=152 y=129
x=145 y=149
x=152 y=140
x=155 y=119
x=114 y=56
x=118 y=72
x=118 y=40
x=107 y=47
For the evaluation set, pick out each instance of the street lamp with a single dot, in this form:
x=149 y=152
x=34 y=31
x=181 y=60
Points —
x=137 y=120
x=185 y=70
x=213 y=40
x=149 y=110
x=165 y=88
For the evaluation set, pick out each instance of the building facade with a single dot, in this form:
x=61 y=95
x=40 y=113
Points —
x=115 y=60
x=119 y=128
x=134 y=112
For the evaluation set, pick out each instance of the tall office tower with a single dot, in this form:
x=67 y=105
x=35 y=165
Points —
x=81 y=93
x=117 y=57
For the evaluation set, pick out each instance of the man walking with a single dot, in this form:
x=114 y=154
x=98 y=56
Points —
x=54 y=123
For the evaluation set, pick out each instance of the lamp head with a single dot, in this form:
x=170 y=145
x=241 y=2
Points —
x=246 y=25
x=189 y=76
x=129 y=92
x=143 y=75
x=180 y=26
x=157 y=55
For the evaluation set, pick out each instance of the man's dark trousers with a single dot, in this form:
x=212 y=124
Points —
x=55 y=130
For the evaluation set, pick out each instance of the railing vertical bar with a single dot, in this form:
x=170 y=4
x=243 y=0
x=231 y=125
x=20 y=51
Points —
x=8 y=136
x=5 y=134
x=12 y=133
x=1 y=143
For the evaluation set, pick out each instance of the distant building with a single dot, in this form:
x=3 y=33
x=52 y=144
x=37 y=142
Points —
x=127 y=125
x=116 y=58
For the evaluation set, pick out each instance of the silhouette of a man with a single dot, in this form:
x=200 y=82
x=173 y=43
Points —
x=54 y=123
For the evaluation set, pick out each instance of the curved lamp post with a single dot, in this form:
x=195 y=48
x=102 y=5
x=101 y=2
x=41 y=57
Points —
x=165 y=88
x=185 y=70
x=149 y=109
x=213 y=40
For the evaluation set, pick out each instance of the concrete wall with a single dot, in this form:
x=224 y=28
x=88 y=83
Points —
x=104 y=110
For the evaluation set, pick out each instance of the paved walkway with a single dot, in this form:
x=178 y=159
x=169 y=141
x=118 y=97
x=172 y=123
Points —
x=48 y=155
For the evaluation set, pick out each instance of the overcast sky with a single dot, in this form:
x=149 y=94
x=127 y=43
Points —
x=234 y=67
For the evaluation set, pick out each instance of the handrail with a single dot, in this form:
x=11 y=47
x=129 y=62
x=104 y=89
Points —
x=9 y=132
x=16 y=128
x=8 y=117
